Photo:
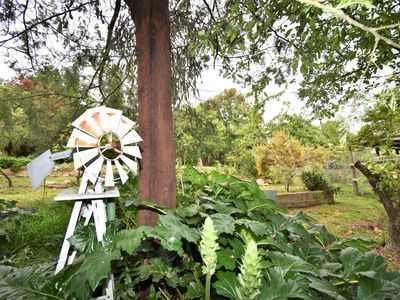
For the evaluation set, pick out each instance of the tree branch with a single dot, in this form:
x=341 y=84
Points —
x=107 y=48
x=339 y=14
x=2 y=42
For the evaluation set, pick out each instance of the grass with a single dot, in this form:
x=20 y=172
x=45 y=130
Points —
x=34 y=238
x=350 y=216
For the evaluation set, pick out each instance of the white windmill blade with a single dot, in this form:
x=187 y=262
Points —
x=80 y=139
x=133 y=150
x=122 y=174
x=82 y=157
x=124 y=126
x=110 y=119
x=87 y=123
x=93 y=170
x=109 y=182
x=131 y=164
x=131 y=137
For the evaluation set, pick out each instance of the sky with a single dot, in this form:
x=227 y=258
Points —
x=212 y=84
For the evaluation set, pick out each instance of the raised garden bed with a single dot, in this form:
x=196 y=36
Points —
x=304 y=199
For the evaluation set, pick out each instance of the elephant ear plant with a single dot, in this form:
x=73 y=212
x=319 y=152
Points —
x=246 y=246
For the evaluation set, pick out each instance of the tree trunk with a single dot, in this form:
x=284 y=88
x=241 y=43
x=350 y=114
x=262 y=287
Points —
x=157 y=180
x=7 y=177
x=391 y=206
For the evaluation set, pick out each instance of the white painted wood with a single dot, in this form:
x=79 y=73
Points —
x=87 y=123
x=86 y=212
x=130 y=163
x=132 y=150
x=122 y=174
x=131 y=137
x=70 y=231
x=110 y=118
x=82 y=157
x=109 y=182
x=81 y=139
x=71 y=195
x=124 y=126
x=93 y=170
x=110 y=286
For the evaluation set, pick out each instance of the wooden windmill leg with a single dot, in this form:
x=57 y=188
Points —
x=87 y=214
x=100 y=219
x=70 y=231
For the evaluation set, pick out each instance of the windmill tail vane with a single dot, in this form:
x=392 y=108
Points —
x=103 y=143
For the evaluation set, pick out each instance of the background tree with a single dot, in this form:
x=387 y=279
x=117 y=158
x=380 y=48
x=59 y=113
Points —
x=35 y=112
x=382 y=123
x=299 y=127
x=283 y=156
x=222 y=129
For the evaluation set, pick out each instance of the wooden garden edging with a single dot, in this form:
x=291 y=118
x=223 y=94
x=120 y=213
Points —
x=305 y=199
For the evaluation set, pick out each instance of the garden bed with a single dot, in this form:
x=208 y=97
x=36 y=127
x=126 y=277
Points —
x=305 y=199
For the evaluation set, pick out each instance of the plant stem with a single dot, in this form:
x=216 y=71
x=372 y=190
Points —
x=208 y=282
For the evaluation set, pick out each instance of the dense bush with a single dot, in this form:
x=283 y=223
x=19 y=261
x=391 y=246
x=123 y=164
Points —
x=315 y=181
x=225 y=241
x=13 y=163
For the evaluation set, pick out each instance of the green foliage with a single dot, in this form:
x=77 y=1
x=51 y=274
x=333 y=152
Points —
x=314 y=181
x=382 y=122
x=264 y=252
x=222 y=129
x=284 y=155
x=14 y=163
x=298 y=127
x=388 y=173
x=36 y=112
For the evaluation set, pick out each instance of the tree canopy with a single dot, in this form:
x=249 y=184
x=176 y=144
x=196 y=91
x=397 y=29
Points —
x=333 y=45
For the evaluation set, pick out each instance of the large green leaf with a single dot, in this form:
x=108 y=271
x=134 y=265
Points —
x=349 y=258
x=376 y=289
x=157 y=269
x=195 y=290
x=129 y=239
x=285 y=262
x=226 y=284
x=276 y=288
x=325 y=287
x=170 y=230
x=25 y=283
x=226 y=258
x=256 y=227
x=84 y=238
x=223 y=223
x=97 y=266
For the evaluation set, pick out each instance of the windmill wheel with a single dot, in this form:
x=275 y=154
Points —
x=106 y=145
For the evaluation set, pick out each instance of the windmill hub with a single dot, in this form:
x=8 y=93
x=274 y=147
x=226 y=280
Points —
x=110 y=146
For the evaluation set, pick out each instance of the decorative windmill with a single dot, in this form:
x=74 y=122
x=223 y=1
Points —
x=105 y=145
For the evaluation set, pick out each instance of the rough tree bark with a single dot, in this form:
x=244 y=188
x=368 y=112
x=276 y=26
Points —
x=157 y=176
x=392 y=206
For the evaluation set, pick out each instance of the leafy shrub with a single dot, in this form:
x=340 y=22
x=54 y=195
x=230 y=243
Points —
x=261 y=252
x=314 y=181
x=284 y=156
x=13 y=163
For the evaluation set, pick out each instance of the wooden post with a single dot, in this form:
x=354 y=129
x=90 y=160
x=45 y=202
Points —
x=157 y=180
x=354 y=175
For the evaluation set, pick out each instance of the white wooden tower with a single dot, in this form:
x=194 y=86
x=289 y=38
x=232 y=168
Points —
x=104 y=144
